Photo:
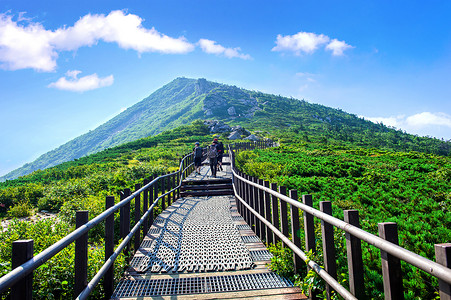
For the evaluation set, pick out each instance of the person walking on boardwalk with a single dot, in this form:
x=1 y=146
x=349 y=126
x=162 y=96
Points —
x=198 y=152
x=220 y=148
x=212 y=154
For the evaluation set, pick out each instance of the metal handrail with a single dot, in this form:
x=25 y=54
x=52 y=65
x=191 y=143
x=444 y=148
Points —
x=414 y=259
x=26 y=268
x=320 y=271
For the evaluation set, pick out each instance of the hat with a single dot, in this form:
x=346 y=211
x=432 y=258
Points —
x=215 y=140
x=196 y=143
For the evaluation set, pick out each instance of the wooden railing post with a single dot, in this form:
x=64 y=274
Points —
x=126 y=223
x=256 y=208
x=283 y=213
x=250 y=191
x=354 y=253
x=163 y=190
x=443 y=257
x=145 y=206
x=261 y=210
x=137 y=217
x=275 y=212
x=179 y=177
x=109 y=248
x=309 y=225
x=81 y=254
x=22 y=251
x=150 y=221
x=174 y=184
x=295 y=236
x=269 y=237
x=155 y=193
x=169 y=187
x=391 y=265
x=327 y=231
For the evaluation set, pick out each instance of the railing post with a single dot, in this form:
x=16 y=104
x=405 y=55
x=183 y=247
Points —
x=163 y=190
x=354 y=253
x=81 y=254
x=151 y=199
x=126 y=223
x=244 y=195
x=179 y=177
x=261 y=210
x=256 y=207
x=443 y=257
x=168 y=186
x=269 y=237
x=22 y=251
x=295 y=236
x=283 y=213
x=174 y=184
x=327 y=231
x=275 y=212
x=155 y=192
x=249 y=201
x=309 y=225
x=137 y=217
x=109 y=248
x=145 y=206
x=391 y=265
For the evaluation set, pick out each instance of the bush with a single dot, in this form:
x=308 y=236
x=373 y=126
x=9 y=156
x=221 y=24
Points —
x=20 y=210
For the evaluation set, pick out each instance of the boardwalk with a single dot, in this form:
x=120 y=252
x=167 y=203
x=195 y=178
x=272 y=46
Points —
x=201 y=248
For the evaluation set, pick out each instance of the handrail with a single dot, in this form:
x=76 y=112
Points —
x=26 y=268
x=435 y=269
x=320 y=271
x=414 y=259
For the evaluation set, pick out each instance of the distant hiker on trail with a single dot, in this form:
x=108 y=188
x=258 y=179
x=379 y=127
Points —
x=212 y=154
x=220 y=148
x=197 y=151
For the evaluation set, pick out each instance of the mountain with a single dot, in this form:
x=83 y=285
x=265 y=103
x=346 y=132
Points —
x=184 y=100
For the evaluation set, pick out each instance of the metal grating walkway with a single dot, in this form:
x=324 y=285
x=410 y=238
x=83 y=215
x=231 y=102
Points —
x=199 y=285
x=202 y=234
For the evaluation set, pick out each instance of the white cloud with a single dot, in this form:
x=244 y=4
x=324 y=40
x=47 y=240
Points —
x=425 y=123
x=337 y=47
x=211 y=47
x=307 y=43
x=124 y=29
x=428 y=119
x=86 y=83
x=394 y=121
x=29 y=45
x=24 y=47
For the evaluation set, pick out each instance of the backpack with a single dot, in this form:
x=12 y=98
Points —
x=220 y=147
x=212 y=152
x=198 y=152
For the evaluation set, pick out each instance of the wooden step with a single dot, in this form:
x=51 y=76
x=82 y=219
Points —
x=221 y=186
x=206 y=193
x=207 y=181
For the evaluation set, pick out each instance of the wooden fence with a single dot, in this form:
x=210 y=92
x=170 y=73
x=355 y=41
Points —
x=161 y=190
x=267 y=208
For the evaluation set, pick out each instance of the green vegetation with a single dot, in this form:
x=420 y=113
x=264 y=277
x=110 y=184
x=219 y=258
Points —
x=83 y=184
x=386 y=174
x=409 y=188
x=184 y=100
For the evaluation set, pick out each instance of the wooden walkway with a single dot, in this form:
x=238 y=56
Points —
x=170 y=276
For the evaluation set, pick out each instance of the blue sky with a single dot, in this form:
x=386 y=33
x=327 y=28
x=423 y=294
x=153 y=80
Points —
x=68 y=66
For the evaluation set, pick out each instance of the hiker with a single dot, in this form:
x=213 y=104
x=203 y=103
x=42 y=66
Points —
x=198 y=152
x=212 y=154
x=220 y=149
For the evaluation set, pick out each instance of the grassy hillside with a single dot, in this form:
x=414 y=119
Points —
x=185 y=100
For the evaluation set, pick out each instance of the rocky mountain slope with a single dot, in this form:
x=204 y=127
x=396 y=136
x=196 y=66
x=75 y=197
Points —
x=184 y=100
